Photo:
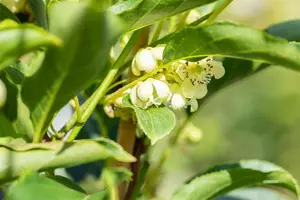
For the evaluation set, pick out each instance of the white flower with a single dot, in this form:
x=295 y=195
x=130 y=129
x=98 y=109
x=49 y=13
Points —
x=196 y=75
x=136 y=101
x=145 y=90
x=162 y=93
x=143 y=61
x=150 y=92
x=3 y=94
x=157 y=52
x=215 y=67
x=178 y=101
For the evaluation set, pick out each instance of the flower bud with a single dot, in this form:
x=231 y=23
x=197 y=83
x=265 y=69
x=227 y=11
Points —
x=3 y=94
x=194 y=104
x=108 y=109
x=143 y=61
x=177 y=101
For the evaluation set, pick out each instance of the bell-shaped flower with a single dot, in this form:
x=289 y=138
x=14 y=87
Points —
x=3 y=94
x=136 y=101
x=178 y=101
x=162 y=93
x=145 y=90
x=157 y=52
x=144 y=61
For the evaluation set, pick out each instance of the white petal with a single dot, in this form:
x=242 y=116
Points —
x=133 y=96
x=3 y=93
x=145 y=90
x=163 y=92
x=188 y=89
x=177 y=101
x=134 y=68
x=136 y=101
x=181 y=71
x=145 y=60
x=217 y=69
x=194 y=104
x=157 y=52
x=201 y=91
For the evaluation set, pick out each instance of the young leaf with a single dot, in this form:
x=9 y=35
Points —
x=18 y=39
x=16 y=159
x=87 y=35
x=5 y=13
x=138 y=14
x=156 y=122
x=232 y=40
x=283 y=30
x=222 y=179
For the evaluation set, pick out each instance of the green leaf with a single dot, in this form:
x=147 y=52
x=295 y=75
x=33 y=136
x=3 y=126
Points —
x=5 y=13
x=140 y=13
x=232 y=40
x=16 y=158
x=87 y=35
x=66 y=182
x=283 y=30
x=156 y=122
x=6 y=128
x=35 y=186
x=39 y=10
x=18 y=39
x=15 y=110
x=223 y=179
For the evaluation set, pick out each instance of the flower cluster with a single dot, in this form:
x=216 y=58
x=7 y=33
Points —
x=177 y=86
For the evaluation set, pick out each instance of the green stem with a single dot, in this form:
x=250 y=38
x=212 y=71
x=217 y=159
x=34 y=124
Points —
x=200 y=20
x=116 y=84
x=157 y=31
x=221 y=6
x=102 y=89
x=182 y=20
x=77 y=109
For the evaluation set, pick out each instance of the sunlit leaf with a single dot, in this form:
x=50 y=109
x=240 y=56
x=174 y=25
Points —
x=87 y=35
x=138 y=14
x=35 y=186
x=223 y=179
x=232 y=40
x=17 y=159
x=156 y=122
x=18 y=39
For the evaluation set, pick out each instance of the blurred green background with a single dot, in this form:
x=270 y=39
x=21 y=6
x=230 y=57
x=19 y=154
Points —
x=257 y=118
